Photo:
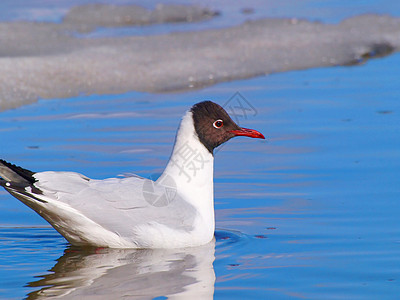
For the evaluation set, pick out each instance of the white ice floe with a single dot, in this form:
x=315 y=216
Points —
x=48 y=60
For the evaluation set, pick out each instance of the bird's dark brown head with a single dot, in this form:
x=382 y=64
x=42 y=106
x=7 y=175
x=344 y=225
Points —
x=214 y=126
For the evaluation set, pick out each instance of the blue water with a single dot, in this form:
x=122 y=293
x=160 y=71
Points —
x=310 y=213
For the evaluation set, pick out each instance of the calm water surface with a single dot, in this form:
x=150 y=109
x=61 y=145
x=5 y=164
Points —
x=311 y=213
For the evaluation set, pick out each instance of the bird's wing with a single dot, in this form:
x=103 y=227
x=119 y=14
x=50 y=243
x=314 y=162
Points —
x=119 y=205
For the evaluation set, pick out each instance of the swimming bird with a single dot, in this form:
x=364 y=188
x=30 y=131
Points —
x=175 y=211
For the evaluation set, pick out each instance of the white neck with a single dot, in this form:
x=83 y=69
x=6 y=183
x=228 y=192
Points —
x=191 y=166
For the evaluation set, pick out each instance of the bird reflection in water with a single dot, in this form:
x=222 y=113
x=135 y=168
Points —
x=103 y=273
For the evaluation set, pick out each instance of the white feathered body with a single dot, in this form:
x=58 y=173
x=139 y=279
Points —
x=119 y=212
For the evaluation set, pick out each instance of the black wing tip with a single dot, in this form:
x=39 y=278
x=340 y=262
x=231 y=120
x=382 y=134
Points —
x=21 y=189
x=24 y=173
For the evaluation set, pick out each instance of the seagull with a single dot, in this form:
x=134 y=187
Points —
x=175 y=211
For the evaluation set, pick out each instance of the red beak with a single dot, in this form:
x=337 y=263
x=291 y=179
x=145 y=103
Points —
x=248 y=132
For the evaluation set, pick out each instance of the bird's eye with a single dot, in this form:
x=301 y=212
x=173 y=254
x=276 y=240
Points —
x=218 y=124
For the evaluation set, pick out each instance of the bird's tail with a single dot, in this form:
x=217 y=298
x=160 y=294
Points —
x=13 y=175
x=20 y=183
